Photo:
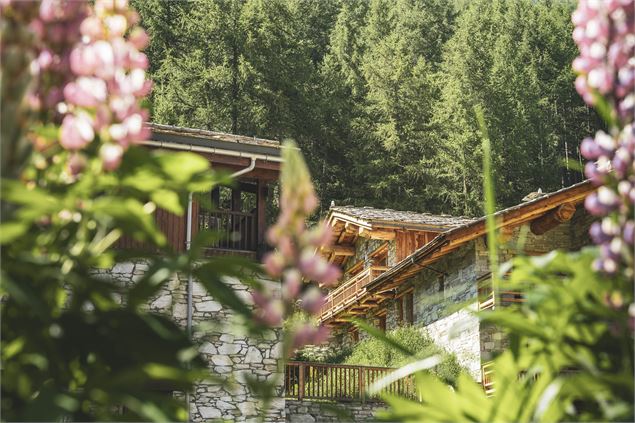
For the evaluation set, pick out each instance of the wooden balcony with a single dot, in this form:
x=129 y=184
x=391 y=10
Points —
x=339 y=382
x=237 y=231
x=487 y=301
x=350 y=291
x=487 y=380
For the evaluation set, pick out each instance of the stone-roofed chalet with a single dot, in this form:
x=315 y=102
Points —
x=417 y=268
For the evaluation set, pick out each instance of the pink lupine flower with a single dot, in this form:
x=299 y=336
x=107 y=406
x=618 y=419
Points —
x=269 y=311
x=111 y=155
x=274 y=263
x=605 y=35
x=76 y=164
x=309 y=334
x=291 y=284
x=312 y=300
x=139 y=38
x=116 y=25
x=76 y=132
x=91 y=27
x=86 y=92
x=296 y=246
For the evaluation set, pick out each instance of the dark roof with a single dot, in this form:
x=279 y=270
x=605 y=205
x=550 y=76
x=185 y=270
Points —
x=397 y=218
x=211 y=139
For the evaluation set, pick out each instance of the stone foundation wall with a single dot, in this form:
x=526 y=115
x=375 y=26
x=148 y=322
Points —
x=230 y=352
x=313 y=411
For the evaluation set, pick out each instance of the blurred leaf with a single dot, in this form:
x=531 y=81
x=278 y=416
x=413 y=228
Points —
x=10 y=231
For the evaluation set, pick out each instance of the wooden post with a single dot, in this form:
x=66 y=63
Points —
x=236 y=199
x=301 y=381
x=362 y=395
x=216 y=198
x=552 y=219
x=261 y=208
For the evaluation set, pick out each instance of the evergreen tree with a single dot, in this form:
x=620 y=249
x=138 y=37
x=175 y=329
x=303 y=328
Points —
x=513 y=59
x=380 y=94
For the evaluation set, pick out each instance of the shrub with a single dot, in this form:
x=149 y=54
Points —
x=374 y=352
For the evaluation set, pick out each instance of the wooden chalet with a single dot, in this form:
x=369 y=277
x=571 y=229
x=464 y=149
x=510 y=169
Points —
x=406 y=268
x=238 y=212
x=381 y=251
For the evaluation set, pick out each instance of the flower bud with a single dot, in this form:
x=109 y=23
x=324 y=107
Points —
x=291 y=284
x=111 y=155
x=312 y=301
x=589 y=149
x=274 y=263
x=76 y=132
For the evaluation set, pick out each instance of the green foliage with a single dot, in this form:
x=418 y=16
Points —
x=513 y=58
x=571 y=354
x=77 y=345
x=380 y=94
x=318 y=354
x=415 y=345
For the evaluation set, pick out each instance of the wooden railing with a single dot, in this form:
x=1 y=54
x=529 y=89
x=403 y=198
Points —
x=487 y=300
x=487 y=373
x=350 y=290
x=339 y=382
x=236 y=230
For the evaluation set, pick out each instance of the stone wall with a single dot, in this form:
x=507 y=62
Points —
x=313 y=411
x=363 y=248
x=569 y=236
x=230 y=352
x=444 y=296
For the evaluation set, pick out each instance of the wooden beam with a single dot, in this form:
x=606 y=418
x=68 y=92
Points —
x=506 y=233
x=552 y=219
x=261 y=208
x=340 y=250
x=236 y=199
x=376 y=234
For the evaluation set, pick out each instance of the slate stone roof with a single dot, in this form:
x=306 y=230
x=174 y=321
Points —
x=389 y=217
x=212 y=139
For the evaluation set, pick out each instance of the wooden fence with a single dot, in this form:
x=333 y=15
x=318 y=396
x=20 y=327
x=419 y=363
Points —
x=339 y=382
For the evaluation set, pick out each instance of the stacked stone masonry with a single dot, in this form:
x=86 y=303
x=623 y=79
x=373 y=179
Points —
x=231 y=354
x=313 y=411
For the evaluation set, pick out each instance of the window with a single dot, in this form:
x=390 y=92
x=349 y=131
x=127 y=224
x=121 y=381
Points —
x=381 y=322
x=354 y=335
x=400 y=311
x=408 y=307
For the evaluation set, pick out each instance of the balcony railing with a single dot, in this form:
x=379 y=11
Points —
x=350 y=291
x=487 y=373
x=488 y=302
x=339 y=382
x=237 y=230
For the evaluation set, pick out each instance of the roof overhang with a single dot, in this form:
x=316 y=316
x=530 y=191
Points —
x=224 y=151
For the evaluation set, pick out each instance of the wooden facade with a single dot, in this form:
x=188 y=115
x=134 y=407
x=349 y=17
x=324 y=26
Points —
x=418 y=240
x=240 y=227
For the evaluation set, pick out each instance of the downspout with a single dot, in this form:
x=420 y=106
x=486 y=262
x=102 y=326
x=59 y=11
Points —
x=248 y=169
x=188 y=243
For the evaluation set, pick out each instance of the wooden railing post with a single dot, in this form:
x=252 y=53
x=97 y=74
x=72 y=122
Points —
x=301 y=381
x=362 y=394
